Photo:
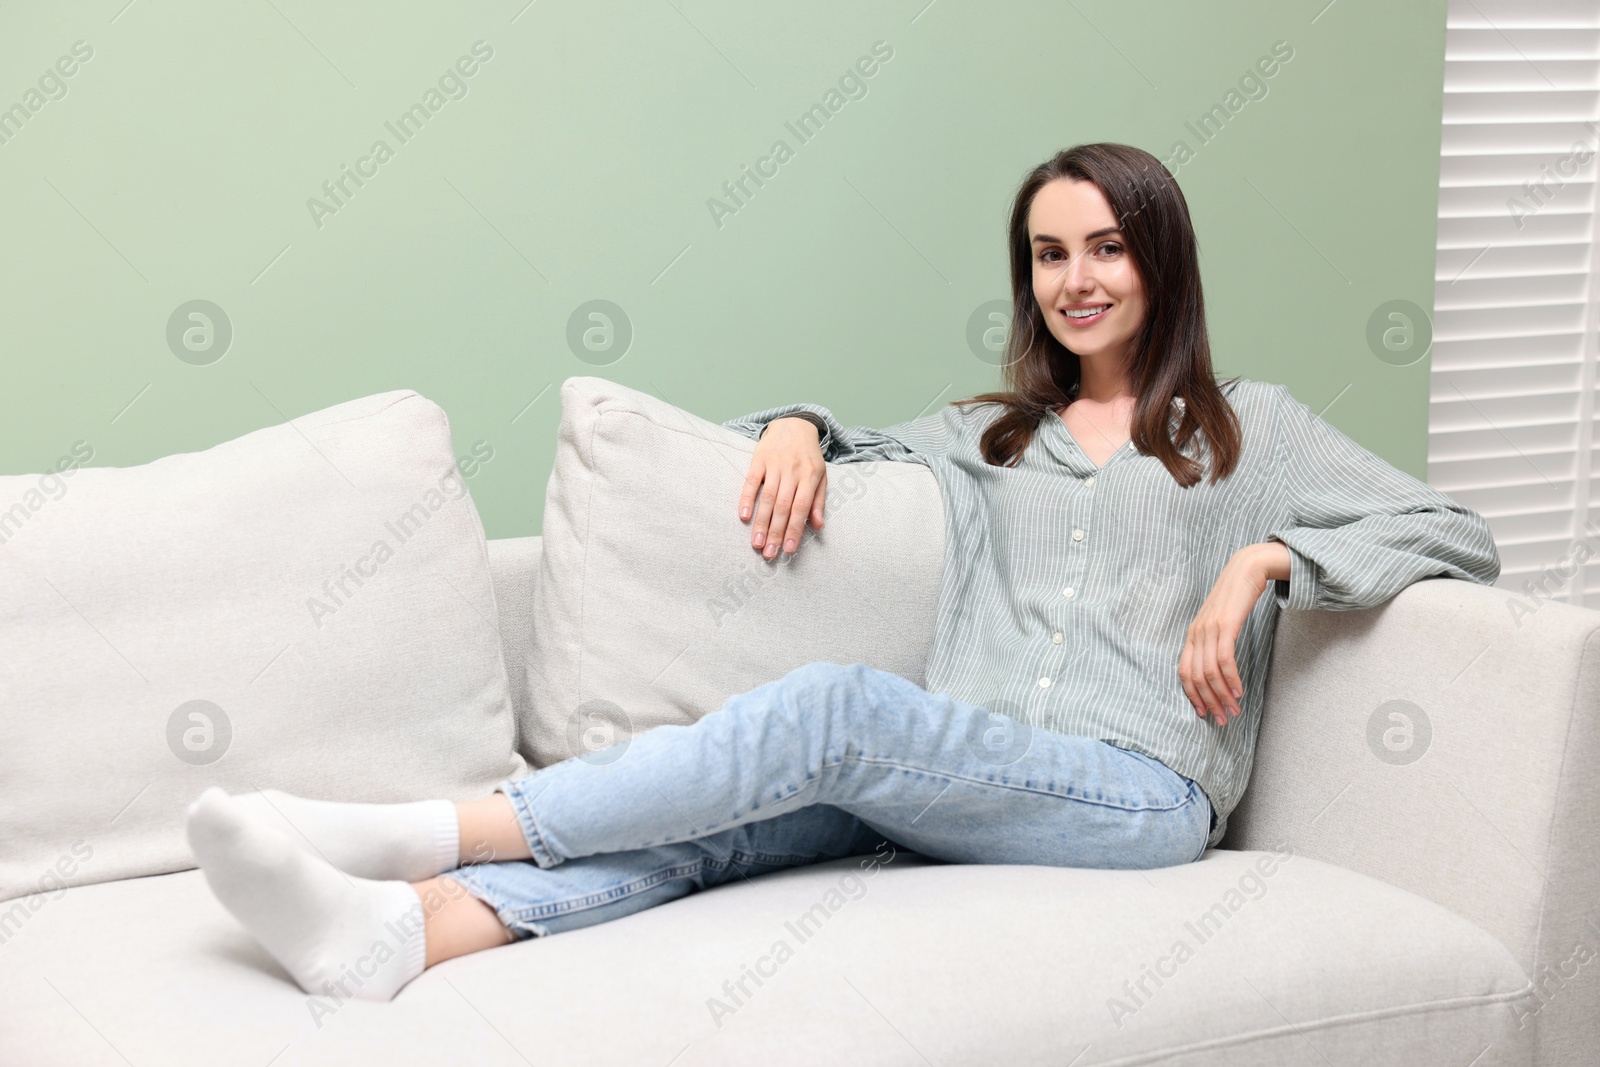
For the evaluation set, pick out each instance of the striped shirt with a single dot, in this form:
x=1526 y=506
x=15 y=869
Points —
x=1068 y=589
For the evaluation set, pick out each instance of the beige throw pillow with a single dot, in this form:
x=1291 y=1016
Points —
x=307 y=607
x=651 y=606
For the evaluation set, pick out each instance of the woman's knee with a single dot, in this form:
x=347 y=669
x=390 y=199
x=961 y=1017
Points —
x=853 y=701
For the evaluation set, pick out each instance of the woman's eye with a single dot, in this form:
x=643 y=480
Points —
x=1113 y=246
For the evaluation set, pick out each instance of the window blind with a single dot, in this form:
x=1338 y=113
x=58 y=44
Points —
x=1512 y=412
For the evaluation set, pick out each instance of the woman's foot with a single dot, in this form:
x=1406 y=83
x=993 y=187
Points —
x=409 y=842
x=337 y=935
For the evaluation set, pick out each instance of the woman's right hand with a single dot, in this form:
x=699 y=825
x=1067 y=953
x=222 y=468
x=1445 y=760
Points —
x=788 y=479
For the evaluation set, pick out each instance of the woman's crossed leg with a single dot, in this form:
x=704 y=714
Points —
x=830 y=760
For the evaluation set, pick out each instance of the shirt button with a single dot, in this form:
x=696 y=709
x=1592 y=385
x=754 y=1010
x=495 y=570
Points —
x=1077 y=535
x=1069 y=592
x=1055 y=638
x=1088 y=483
x=1044 y=683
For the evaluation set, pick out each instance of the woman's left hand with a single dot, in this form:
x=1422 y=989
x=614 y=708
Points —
x=1207 y=668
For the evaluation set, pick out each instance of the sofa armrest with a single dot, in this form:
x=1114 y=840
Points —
x=1448 y=742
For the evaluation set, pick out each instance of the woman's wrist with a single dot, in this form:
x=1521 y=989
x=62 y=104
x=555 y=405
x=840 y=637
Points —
x=804 y=416
x=1268 y=560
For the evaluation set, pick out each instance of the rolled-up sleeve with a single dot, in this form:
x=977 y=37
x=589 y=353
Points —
x=1358 y=529
x=913 y=441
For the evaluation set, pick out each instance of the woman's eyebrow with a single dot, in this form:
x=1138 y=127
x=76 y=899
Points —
x=1045 y=238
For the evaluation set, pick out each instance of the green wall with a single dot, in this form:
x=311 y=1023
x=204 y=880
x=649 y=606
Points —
x=576 y=163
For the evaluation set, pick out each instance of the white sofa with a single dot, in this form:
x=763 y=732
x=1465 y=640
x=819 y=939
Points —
x=1361 y=910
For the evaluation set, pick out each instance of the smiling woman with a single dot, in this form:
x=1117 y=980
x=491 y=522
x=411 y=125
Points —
x=1126 y=449
x=1092 y=232
x=1104 y=613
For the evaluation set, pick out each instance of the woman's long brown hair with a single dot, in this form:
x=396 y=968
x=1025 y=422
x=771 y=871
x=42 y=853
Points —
x=1171 y=355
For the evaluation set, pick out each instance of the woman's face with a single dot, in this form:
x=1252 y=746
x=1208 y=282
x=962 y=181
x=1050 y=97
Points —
x=1080 y=262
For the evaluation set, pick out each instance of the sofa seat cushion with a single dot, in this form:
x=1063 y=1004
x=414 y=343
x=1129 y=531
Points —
x=905 y=960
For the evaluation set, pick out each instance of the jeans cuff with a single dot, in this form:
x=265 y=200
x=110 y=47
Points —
x=468 y=879
x=520 y=806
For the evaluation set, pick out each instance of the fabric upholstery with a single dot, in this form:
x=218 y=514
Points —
x=1289 y=962
x=652 y=607
x=1496 y=816
x=514 y=563
x=1417 y=899
x=324 y=583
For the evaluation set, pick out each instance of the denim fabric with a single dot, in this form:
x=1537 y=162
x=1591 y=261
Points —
x=830 y=760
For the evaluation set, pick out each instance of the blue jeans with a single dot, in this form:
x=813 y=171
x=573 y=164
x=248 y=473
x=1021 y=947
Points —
x=827 y=761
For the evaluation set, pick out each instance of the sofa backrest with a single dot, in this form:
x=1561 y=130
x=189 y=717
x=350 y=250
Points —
x=514 y=565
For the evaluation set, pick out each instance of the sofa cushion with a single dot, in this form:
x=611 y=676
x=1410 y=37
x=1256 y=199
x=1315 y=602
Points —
x=651 y=605
x=307 y=607
x=1239 y=958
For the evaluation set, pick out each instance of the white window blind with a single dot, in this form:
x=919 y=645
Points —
x=1512 y=431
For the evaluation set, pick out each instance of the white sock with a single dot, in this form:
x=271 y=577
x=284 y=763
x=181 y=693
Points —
x=410 y=842
x=337 y=935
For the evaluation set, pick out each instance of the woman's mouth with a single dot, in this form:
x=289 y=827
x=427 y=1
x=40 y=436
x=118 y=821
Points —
x=1081 y=317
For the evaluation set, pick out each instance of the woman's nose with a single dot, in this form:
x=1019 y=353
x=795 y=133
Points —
x=1077 y=278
